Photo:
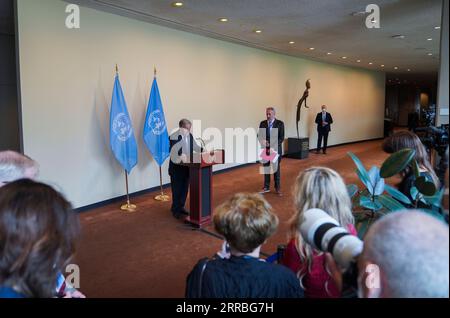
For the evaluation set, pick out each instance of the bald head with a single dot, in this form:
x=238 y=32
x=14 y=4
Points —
x=411 y=250
x=14 y=166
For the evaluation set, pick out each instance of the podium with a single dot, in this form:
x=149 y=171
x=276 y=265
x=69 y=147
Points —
x=200 y=186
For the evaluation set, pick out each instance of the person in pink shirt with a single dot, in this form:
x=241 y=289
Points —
x=321 y=188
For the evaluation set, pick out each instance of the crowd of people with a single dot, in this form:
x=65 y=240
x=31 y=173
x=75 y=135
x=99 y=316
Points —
x=409 y=249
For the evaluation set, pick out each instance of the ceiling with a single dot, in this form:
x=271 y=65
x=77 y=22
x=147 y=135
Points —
x=325 y=25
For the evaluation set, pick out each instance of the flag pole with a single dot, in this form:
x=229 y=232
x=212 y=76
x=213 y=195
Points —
x=161 y=197
x=128 y=207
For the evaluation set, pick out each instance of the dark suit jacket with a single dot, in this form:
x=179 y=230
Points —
x=176 y=169
x=276 y=124
x=326 y=128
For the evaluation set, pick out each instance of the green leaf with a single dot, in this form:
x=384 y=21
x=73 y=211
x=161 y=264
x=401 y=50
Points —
x=352 y=189
x=365 y=180
x=360 y=167
x=396 y=162
x=415 y=168
x=397 y=194
x=367 y=203
x=390 y=203
x=363 y=226
x=424 y=186
x=436 y=199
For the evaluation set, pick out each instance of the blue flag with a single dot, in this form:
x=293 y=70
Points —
x=156 y=136
x=121 y=135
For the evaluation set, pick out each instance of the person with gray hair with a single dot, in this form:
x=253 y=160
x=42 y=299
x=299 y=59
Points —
x=15 y=166
x=405 y=255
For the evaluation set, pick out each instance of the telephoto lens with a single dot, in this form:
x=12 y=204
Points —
x=325 y=234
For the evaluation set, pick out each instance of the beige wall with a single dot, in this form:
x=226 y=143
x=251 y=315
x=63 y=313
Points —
x=67 y=78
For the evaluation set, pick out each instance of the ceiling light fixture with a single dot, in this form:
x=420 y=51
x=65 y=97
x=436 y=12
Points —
x=437 y=27
x=329 y=53
x=382 y=65
x=177 y=4
x=291 y=42
x=395 y=67
x=430 y=39
x=258 y=31
x=370 y=63
x=223 y=20
x=344 y=57
x=311 y=49
x=429 y=54
x=358 y=61
x=409 y=70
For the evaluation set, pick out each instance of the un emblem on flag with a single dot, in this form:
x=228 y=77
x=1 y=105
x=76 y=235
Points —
x=156 y=122
x=122 y=127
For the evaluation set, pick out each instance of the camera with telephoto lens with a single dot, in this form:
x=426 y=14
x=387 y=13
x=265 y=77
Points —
x=325 y=234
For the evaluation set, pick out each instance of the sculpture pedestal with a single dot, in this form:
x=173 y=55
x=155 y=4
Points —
x=298 y=148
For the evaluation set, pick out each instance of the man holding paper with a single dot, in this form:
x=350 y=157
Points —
x=271 y=137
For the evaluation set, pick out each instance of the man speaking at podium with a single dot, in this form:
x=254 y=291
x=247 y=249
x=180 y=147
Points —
x=182 y=147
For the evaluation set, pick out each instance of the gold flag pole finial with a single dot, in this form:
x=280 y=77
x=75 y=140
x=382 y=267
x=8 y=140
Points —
x=154 y=71
x=117 y=69
x=128 y=207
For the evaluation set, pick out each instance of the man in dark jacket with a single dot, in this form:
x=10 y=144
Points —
x=271 y=135
x=323 y=121
x=182 y=147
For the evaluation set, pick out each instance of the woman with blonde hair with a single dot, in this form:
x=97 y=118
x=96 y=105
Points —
x=320 y=188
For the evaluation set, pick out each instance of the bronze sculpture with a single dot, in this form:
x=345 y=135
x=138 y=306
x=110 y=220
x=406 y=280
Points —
x=300 y=102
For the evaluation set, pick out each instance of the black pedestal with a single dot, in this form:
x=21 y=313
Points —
x=298 y=148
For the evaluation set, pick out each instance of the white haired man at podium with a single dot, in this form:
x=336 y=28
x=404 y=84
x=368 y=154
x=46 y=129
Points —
x=182 y=147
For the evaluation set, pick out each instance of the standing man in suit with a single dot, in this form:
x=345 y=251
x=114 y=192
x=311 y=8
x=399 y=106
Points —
x=182 y=147
x=274 y=137
x=323 y=121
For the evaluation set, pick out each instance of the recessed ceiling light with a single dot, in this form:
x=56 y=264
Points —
x=329 y=53
x=430 y=39
x=177 y=4
x=395 y=67
x=258 y=31
x=344 y=57
x=223 y=20
x=370 y=63
x=398 y=36
x=311 y=48
x=430 y=54
x=358 y=61
x=409 y=70
x=291 y=42
x=382 y=65
x=437 y=27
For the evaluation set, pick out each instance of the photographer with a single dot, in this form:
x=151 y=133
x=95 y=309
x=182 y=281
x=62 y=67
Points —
x=405 y=255
x=405 y=139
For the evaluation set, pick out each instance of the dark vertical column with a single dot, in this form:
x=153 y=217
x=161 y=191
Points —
x=9 y=110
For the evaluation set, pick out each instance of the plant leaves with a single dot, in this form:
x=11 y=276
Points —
x=396 y=162
x=390 y=203
x=414 y=193
x=360 y=168
x=363 y=226
x=436 y=199
x=352 y=189
x=377 y=183
x=415 y=168
x=424 y=186
x=367 y=203
x=365 y=180
x=397 y=194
